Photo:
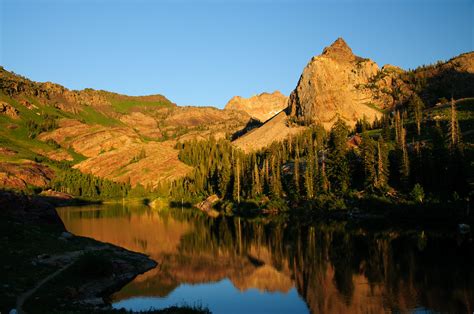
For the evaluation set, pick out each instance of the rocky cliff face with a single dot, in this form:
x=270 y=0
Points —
x=330 y=87
x=261 y=107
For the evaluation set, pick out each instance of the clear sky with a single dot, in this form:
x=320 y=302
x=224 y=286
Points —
x=205 y=52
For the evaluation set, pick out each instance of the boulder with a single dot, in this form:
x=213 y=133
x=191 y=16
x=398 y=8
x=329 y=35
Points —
x=206 y=205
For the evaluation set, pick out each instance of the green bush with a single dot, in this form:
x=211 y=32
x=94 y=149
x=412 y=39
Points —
x=418 y=194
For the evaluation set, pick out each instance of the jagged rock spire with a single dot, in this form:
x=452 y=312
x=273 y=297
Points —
x=339 y=50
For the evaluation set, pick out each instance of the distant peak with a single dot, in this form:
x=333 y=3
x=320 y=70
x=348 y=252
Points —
x=339 y=50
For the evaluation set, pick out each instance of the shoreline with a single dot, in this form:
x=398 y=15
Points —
x=48 y=269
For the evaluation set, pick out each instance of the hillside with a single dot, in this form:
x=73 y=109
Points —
x=118 y=137
x=276 y=129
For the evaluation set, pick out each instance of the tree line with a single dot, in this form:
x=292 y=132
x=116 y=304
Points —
x=406 y=156
x=76 y=183
x=72 y=181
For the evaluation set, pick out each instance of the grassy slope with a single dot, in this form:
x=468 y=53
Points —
x=125 y=105
x=17 y=138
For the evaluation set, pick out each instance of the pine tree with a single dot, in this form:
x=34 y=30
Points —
x=256 y=186
x=309 y=173
x=416 y=106
x=297 y=171
x=275 y=178
x=454 y=131
x=367 y=151
x=382 y=165
x=325 y=184
x=339 y=171
x=405 y=165
x=237 y=173
x=386 y=128
x=224 y=175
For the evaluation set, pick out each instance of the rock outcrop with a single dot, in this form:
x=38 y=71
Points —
x=20 y=175
x=8 y=110
x=143 y=124
x=329 y=87
x=261 y=107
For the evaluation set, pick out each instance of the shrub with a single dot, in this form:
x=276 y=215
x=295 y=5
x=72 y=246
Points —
x=418 y=194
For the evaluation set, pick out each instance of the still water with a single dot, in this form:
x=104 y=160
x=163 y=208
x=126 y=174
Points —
x=232 y=265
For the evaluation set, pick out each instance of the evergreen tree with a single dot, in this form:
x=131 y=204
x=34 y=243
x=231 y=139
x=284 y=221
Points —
x=237 y=173
x=454 y=131
x=339 y=171
x=256 y=186
x=297 y=171
x=367 y=151
x=416 y=107
x=382 y=165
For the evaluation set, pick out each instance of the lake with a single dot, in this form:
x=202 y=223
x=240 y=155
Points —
x=273 y=265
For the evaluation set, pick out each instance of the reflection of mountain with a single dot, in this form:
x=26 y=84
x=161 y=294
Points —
x=335 y=269
x=160 y=236
x=142 y=231
x=179 y=269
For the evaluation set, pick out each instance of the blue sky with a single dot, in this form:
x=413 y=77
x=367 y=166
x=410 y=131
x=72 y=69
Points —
x=205 y=52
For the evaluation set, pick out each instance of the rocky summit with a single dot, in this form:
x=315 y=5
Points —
x=330 y=86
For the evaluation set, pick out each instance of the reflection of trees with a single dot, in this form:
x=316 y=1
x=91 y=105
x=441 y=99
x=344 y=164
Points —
x=337 y=269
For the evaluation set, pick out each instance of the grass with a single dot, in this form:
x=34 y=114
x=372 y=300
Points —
x=18 y=138
x=91 y=116
x=124 y=105
x=375 y=107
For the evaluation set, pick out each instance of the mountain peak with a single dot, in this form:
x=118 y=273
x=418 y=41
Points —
x=261 y=107
x=339 y=50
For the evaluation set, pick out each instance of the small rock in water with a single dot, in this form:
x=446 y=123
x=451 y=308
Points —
x=66 y=235
x=463 y=228
x=94 y=302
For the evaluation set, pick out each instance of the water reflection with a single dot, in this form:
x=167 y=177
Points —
x=275 y=266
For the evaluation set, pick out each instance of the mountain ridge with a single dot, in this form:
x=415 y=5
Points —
x=87 y=127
